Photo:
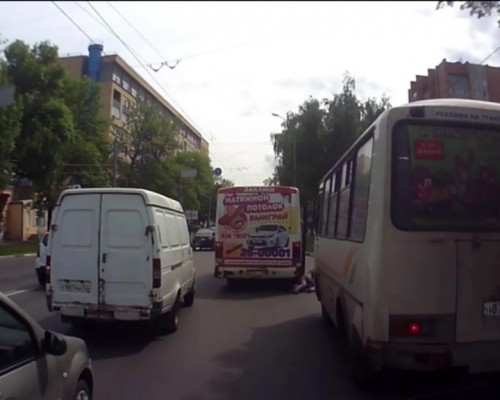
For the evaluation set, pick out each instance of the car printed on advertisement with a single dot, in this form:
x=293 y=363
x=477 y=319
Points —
x=269 y=235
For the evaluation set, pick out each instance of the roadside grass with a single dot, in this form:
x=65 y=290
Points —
x=7 y=249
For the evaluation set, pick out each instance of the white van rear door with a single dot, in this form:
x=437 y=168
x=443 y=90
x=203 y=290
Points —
x=74 y=249
x=126 y=252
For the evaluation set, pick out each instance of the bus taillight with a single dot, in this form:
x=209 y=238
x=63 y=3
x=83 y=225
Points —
x=218 y=250
x=414 y=329
x=296 y=256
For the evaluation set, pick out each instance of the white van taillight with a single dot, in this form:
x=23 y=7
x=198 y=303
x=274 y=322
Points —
x=47 y=269
x=218 y=250
x=296 y=258
x=156 y=273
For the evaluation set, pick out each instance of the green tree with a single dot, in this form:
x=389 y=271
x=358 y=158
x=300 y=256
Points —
x=88 y=154
x=46 y=122
x=195 y=192
x=323 y=131
x=147 y=142
x=59 y=123
x=10 y=127
x=478 y=9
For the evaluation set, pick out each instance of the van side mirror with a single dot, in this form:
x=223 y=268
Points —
x=54 y=344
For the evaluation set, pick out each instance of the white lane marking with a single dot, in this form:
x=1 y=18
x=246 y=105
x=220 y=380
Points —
x=14 y=292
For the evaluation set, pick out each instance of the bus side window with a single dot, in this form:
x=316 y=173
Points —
x=345 y=199
x=359 y=210
x=332 y=206
x=324 y=209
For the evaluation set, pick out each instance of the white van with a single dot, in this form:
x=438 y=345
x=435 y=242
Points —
x=119 y=254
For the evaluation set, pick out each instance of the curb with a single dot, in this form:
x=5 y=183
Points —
x=18 y=256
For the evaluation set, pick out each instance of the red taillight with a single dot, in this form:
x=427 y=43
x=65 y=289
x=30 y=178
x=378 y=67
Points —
x=47 y=269
x=218 y=249
x=156 y=273
x=296 y=252
x=414 y=329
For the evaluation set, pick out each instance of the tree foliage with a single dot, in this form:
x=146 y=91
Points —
x=322 y=131
x=478 y=9
x=61 y=138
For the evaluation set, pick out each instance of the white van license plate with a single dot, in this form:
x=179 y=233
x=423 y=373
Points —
x=491 y=309
x=74 y=286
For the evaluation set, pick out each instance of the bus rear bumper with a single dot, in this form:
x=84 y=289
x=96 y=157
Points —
x=474 y=357
x=256 y=272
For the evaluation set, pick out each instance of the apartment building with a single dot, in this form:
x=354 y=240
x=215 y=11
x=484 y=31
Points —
x=457 y=80
x=120 y=86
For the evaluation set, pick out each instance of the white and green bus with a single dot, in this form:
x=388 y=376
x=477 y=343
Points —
x=407 y=253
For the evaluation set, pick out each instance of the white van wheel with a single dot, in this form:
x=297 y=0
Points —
x=169 y=322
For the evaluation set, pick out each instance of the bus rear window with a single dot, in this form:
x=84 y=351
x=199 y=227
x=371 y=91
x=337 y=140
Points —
x=446 y=178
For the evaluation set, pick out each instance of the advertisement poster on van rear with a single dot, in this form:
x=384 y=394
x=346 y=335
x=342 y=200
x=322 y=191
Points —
x=258 y=225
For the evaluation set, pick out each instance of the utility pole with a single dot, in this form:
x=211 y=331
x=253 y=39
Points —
x=294 y=152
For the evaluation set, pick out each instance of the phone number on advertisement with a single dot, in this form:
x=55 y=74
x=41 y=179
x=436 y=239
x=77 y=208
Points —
x=265 y=253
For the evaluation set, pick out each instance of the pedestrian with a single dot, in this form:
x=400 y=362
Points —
x=306 y=283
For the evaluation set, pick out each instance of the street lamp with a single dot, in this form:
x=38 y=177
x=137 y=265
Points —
x=294 y=152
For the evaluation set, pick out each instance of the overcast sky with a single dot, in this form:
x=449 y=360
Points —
x=242 y=61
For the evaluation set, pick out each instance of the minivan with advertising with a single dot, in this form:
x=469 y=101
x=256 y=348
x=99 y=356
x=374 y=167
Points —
x=119 y=254
x=259 y=233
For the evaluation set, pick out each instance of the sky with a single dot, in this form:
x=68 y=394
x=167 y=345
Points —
x=240 y=62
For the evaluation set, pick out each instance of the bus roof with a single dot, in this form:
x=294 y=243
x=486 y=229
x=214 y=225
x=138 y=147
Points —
x=259 y=189
x=458 y=103
x=466 y=103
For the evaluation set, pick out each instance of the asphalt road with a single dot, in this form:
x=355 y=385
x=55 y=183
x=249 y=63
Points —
x=254 y=342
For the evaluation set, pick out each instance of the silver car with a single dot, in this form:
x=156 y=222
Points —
x=40 y=364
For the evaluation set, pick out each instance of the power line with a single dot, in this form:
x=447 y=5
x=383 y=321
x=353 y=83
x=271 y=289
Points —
x=74 y=23
x=90 y=14
x=145 y=40
x=140 y=62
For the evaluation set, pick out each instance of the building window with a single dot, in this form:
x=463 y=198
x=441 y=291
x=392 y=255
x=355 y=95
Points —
x=133 y=90
x=116 y=78
x=126 y=83
x=116 y=107
x=459 y=86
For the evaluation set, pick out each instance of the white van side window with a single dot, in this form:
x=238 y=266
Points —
x=182 y=226
x=81 y=237
x=172 y=230
x=161 y=225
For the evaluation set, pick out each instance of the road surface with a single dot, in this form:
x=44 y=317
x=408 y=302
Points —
x=255 y=342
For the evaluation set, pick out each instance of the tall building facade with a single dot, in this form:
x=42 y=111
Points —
x=457 y=80
x=121 y=86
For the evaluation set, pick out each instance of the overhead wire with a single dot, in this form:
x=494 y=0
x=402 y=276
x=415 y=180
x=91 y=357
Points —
x=136 y=57
x=212 y=142
x=143 y=38
x=74 y=23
